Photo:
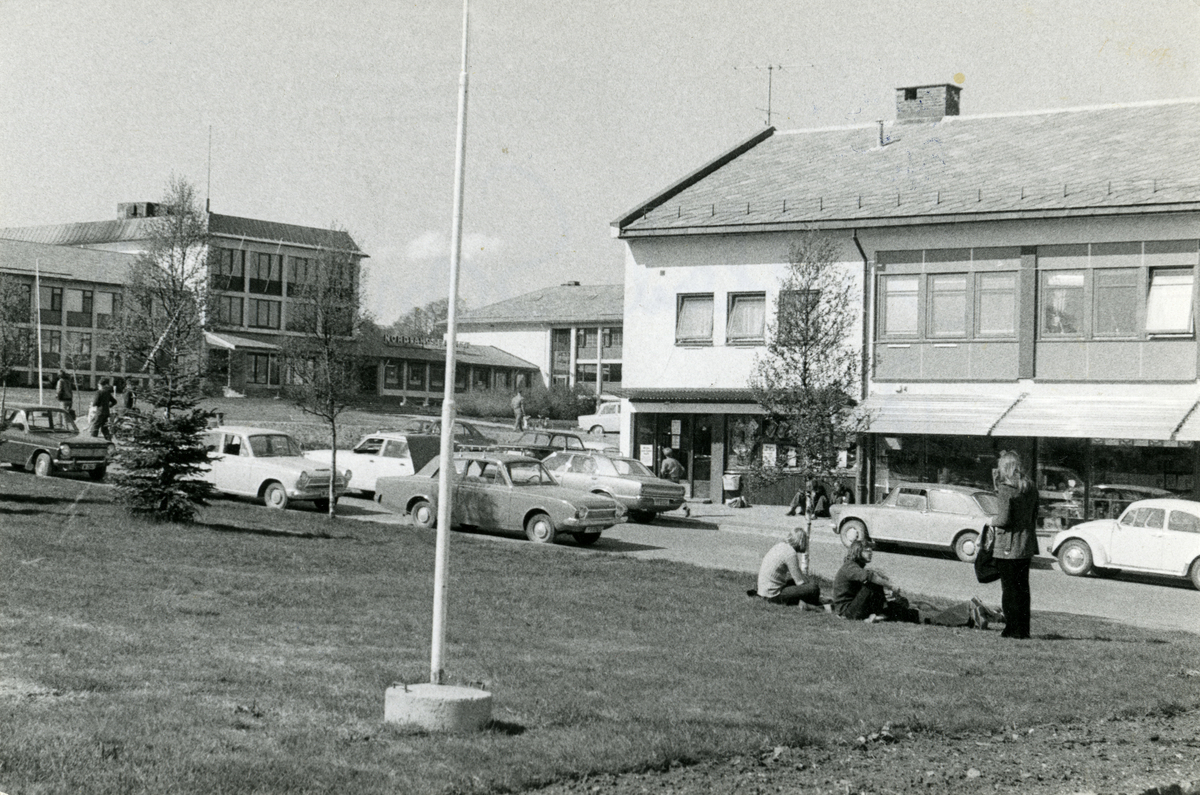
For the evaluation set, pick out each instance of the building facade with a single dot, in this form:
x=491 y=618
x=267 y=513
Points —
x=574 y=333
x=1028 y=283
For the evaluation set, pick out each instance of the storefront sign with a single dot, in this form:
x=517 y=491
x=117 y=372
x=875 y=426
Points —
x=769 y=455
x=400 y=341
x=676 y=429
x=646 y=454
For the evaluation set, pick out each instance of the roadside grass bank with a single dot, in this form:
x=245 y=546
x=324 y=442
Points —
x=251 y=653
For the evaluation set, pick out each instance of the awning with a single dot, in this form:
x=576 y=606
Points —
x=231 y=343
x=952 y=415
x=1096 y=417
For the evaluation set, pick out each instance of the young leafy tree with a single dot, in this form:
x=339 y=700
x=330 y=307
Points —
x=808 y=375
x=16 y=334
x=160 y=333
x=322 y=362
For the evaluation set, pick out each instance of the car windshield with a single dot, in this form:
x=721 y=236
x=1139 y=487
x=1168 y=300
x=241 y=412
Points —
x=275 y=445
x=529 y=473
x=628 y=466
x=49 y=420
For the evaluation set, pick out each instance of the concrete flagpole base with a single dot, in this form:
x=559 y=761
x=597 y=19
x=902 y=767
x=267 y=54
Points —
x=439 y=708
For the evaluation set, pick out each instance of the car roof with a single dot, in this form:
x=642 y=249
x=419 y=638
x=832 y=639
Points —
x=483 y=455
x=247 y=429
x=28 y=406
x=393 y=435
x=941 y=487
x=1170 y=503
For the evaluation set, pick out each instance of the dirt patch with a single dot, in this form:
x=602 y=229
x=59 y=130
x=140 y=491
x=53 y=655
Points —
x=1156 y=755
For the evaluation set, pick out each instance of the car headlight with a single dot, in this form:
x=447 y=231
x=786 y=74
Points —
x=581 y=512
x=302 y=481
x=112 y=450
x=64 y=451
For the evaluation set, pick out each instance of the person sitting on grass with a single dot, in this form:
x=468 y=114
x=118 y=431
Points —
x=783 y=577
x=858 y=593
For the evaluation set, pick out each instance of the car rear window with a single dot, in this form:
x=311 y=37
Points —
x=1184 y=522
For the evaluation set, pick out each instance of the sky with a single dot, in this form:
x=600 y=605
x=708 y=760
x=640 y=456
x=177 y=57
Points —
x=345 y=113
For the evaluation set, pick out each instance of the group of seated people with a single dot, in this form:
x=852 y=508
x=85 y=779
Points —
x=813 y=496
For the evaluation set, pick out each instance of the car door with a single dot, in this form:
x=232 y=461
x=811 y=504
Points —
x=907 y=517
x=12 y=449
x=1138 y=538
x=483 y=495
x=949 y=512
x=231 y=469
x=395 y=459
x=367 y=466
x=1181 y=543
x=560 y=465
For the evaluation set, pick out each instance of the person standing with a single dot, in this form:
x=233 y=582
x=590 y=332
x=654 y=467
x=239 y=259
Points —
x=65 y=394
x=1016 y=541
x=518 y=407
x=101 y=409
x=128 y=398
x=783 y=577
x=672 y=470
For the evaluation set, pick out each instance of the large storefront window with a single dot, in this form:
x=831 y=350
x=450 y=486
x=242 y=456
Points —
x=961 y=460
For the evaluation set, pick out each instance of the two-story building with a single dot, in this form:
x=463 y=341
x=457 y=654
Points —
x=1030 y=284
x=573 y=332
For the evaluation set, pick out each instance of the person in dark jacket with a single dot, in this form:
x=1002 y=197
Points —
x=1016 y=541
x=101 y=409
x=858 y=592
x=813 y=497
x=670 y=469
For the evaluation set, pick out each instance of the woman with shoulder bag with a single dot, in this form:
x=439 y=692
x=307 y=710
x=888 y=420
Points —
x=1015 y=541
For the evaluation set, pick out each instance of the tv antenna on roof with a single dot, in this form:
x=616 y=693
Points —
x=770 y=77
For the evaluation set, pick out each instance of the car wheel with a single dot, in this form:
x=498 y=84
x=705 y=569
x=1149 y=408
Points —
x=597 y=430
x=274 y=496
x=540 y=529
x=43 y=466
x=1075 y=558
x=853 y=530
x=423 y=515
x=641 y=517
x=98 y=473
x=966 y=546
x=1194 y=574
x=586 y=539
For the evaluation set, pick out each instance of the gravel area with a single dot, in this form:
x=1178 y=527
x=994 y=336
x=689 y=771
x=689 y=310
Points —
x=1156 y=755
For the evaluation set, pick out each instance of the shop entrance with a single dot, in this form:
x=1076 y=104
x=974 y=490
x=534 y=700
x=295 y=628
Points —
x=688 y=435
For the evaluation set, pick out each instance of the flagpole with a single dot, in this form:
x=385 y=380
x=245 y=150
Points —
x=37 y=287
x=437 y=671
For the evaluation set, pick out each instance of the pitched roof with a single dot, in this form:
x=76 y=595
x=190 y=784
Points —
x=567 y=303
x=65 y=262
x=91 y=233
x=1086 y=161
x=466 y=354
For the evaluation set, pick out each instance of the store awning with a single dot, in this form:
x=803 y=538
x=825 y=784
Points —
x=1095 y=417
x=954 y=415
x=231 y=343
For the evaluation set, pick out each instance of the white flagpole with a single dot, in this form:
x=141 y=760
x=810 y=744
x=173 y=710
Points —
x=37 y=287
x=436 y=665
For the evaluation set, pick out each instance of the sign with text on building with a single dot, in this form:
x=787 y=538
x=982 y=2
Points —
x=646 y=454
x=676 y=428
x=769 y=455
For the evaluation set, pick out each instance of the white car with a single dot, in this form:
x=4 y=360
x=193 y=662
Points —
x=381 y=454
x=1158 y=536
x=607 y=419
x=267 y=464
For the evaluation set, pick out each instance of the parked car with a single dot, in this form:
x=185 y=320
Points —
x=1156 y=536
x=921 y=514
x=267 y=464
x=501 y=491
x=539 y=444
x=466 y=435
x=381 y=454
x=46 y=440
x=1107 y=501
x=626 y=480
x=607 y=419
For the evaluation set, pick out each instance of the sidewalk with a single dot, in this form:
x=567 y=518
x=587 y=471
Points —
x=771 y=520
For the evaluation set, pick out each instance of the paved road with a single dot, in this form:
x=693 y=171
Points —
x=716 y=536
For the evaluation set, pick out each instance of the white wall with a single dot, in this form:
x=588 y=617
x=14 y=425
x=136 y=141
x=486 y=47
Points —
x=657 y=270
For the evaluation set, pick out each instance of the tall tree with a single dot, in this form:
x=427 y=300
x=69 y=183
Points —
x=424 y=321
x=160 y=333
x=807 y=377
x=324 y=369
x=16 y=334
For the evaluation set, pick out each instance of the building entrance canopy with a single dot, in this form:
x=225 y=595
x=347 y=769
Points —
x=1052 y=416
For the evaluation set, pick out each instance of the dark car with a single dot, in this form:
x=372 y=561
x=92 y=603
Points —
x=539 y=444
x=46 y=440
x=466 y=435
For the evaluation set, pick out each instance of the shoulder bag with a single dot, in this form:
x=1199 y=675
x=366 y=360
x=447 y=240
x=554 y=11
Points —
x=985 y=564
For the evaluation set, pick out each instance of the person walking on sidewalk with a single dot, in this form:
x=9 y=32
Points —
x=518 y=407
x=672 y=470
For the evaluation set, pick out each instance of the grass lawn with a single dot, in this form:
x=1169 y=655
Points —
x=250 y=653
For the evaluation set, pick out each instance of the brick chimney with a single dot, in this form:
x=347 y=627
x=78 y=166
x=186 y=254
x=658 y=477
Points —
x=927 y=103
x=139 y=210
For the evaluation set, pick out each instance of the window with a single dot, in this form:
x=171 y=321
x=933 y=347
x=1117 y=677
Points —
x=613 y=339
x=480 y=378
x=262 y=368
x=262 y=314
x=437 y=377
x=416 y=376
x=301 y=316
x=299 y=273
x=948 y=305
x=265 y=275
x=585 y=340
x=107 y=305
x=51 y=347
x=1116 y=301
x=79 y=350
x=694 y=319
x=391 y=375
x=1183 y=522
x=1169 y=305
x=229 y=269
x=51 y=299
x=1063 y=304
x=900 y=308
x=585 y=373
x=611 y=373
x=997 y=306
x=747 y=316
x=229 y=310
